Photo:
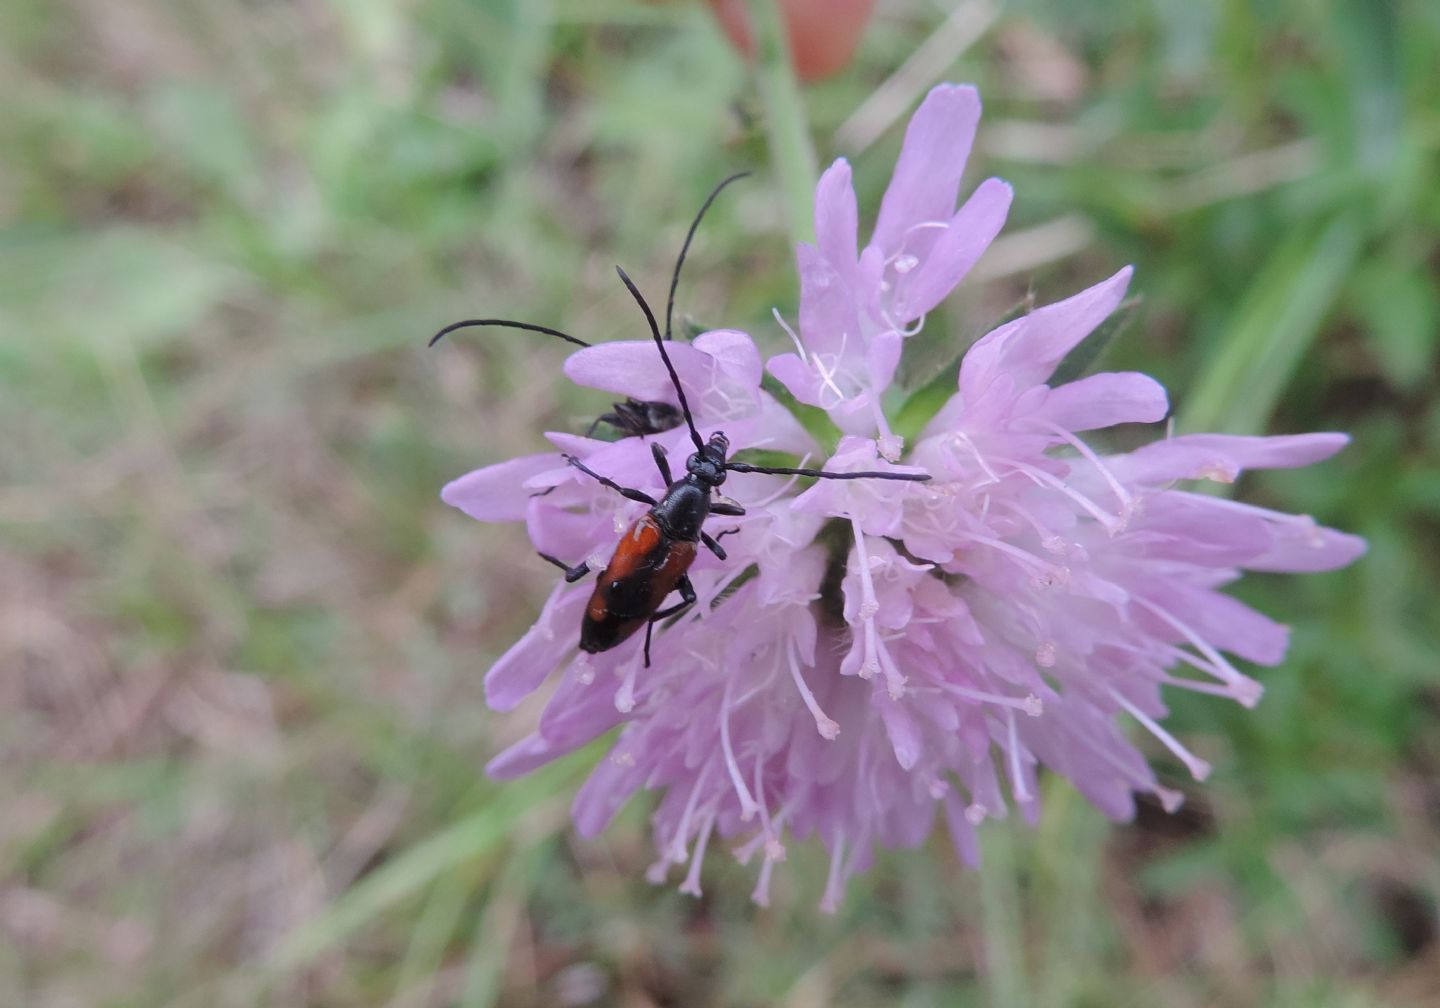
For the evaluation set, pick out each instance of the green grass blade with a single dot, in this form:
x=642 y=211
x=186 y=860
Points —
x=1273 y=328
x=475 y=836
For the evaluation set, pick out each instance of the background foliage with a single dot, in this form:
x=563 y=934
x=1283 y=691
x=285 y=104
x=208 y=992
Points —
x=241 y=641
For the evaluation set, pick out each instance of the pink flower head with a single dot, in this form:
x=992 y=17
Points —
x=876 y=655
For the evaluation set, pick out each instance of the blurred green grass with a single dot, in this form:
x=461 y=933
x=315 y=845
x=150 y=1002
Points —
x=243 y=642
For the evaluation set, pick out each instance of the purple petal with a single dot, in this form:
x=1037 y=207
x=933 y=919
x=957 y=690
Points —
x=1103 y=400
x=1226 y=623
x=1299 y=545
x=932 y=160
x=829 y=322
x=882 y=357
x=836 y=219
x=530 y=753
x=1030 y=348
x=801 y=380
x=900 y=728
x=1222 y=456
x=1196 y=529
x=609 y=785
x=497 y=492
x=578 y=712
x=734 y=353
x=522 y=669
x=628 y=367
x=969 y=234
x=633 y=368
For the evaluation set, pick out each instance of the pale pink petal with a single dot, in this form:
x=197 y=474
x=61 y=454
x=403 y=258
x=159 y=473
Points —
x=1300 y=546
x=799 y=378
x=522 y=669
x=530 y=753
x=932 y=159
x=1030 y=348
x=1226 y=623
x=1222 y=457
x=734 y=353
x=836 y=220
x=900 y=729
x=1103 y=400
x=829 y=323
x=953 y=253
x=601 y=796
x=497 y=492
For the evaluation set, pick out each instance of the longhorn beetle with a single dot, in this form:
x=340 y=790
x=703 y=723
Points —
x=633 y=417
x=657 y=550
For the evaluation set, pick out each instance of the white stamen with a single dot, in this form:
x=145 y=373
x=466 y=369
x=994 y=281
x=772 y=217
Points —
x=876 y=656
x=831 y=900
x=691 y=885
x=1170 y=800
x=828 y=728
x=799 y=347
x=1127 y=502
x=1017 y=777
x=625 y=695
x=748 y=807
x=677 y=845
x=962 y=440
x=1222 y=668
x=1030 y=704
x=760 y=896
x=1199 y=769
x=1040 y=477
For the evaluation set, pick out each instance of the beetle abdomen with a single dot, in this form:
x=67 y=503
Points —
x=645 y=568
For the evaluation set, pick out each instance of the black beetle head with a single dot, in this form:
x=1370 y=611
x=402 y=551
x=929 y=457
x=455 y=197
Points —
x=708 y=464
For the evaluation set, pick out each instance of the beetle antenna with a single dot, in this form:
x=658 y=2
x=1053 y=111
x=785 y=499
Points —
x=689 y=236
x=659 y=342
x=507 y=323
x=822 y=474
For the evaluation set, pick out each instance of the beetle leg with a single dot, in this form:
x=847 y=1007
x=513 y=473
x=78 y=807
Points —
x=713 y=544
x=610 y=418
x=572 y=574
x=662 y=463
x=636 y=495
x=687 y=599
x=726 y=507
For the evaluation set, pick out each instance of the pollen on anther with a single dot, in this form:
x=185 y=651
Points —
x=584 y=671
x=1219 y=472
x=1045 y=654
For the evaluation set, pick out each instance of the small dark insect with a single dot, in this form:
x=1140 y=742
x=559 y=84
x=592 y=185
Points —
x=633 y=417
x=654 y=555
x=638 y=417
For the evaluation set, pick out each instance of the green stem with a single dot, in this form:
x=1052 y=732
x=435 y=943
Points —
x=791 y=150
